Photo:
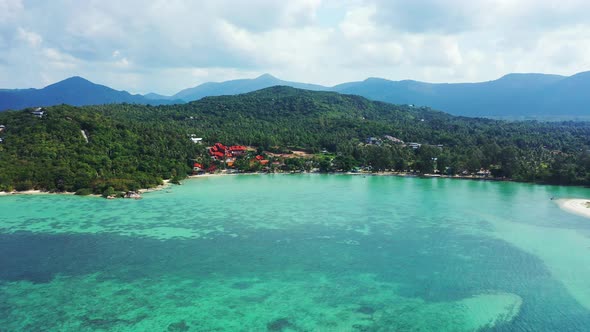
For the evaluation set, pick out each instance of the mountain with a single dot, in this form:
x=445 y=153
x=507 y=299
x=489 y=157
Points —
x=513 y=95
x=75 y=91
x=156 y=96
x=235 y=87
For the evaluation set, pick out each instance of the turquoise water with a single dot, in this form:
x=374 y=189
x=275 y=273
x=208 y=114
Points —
x=298 y=253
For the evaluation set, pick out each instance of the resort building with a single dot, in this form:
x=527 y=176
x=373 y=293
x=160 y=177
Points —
x=237 y=150
x=197 y=168
x=220 y=151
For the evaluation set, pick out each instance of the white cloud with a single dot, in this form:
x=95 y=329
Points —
x=31 y=38
x=9 y=9
x=168 y=45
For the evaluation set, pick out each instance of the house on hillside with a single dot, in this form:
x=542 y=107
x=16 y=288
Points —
x=1 y=140
x=195 y=139
x=414 y=145
x=2 y=128
x=38 y=112
x=374 y=141
x=483 y=173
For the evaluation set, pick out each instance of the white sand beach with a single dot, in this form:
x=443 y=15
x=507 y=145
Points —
x=33 y=192
x=164 y=185
x=576 y=205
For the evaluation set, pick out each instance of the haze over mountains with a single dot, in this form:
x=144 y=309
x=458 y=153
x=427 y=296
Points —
x=235 y=87
x=513 y=95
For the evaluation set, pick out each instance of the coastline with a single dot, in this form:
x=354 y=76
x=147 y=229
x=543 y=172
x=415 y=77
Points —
x=36 y=192
x=577 y=206
x=164 y=185
x=400 y=174
x=167 y=183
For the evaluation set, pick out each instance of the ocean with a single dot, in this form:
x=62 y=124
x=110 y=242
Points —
x=298 y=253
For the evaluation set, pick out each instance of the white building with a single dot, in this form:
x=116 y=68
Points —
x=195 y=139
x=38 y=112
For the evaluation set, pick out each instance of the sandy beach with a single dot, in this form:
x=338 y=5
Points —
x=164 y=185
x=33 y=192
x=578 y=206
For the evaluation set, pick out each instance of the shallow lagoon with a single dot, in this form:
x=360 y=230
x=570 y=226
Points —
x=298 y=253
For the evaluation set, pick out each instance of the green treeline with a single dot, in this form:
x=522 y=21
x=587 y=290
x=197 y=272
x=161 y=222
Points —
x=136 y=146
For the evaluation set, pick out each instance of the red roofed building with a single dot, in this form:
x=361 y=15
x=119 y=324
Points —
x=218 y=151
x=197 y=168
x=237 y=150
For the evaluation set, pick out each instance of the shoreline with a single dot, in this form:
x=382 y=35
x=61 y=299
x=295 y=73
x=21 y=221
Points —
x=164 y=185
x=167 y=183
x=37 y=192
x=400 y=174
x=578 y=206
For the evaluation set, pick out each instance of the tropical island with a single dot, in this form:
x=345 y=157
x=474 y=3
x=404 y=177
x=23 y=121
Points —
x=114 y=148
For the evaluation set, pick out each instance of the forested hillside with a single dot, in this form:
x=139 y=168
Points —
x=134 y=146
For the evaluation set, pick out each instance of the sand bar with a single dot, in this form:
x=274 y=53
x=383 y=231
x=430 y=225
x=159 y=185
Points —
x=578 y=206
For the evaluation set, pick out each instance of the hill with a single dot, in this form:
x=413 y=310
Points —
x=239 y=86
x=73 y=91
x=135 y=146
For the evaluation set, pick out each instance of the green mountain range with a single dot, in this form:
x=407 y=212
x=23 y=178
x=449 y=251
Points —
x=514 y=96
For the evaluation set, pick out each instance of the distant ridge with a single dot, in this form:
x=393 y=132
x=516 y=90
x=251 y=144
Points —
x=514 y=95
x=235 y=87
x=74 y=91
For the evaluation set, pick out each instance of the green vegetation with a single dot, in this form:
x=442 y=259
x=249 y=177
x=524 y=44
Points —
x=136 y=146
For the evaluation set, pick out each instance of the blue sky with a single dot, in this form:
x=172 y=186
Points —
x=165 y=46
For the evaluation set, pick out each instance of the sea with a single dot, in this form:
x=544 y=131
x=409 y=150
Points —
x=301 y=252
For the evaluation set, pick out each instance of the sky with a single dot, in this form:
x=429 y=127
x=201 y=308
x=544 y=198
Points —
x=165 y=46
